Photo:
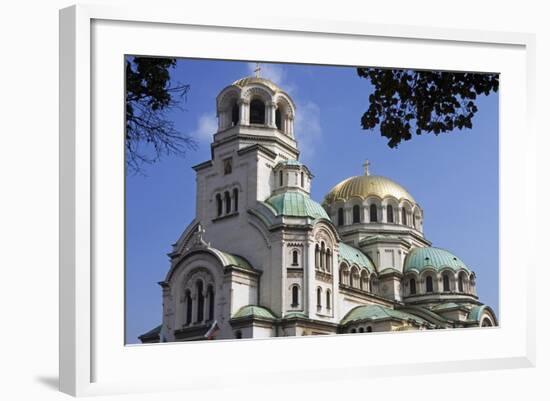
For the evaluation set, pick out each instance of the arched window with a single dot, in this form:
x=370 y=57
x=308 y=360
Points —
x=235 y=114
x=211 y=304
x=429 y=284
x=404 y=216
x=373 y=213
x=328 y=299
x=235 y=199
x=328 y=261
x=354 y=277
x=295 y=294
x=278 y=120
x=369 y=329
x=412 y=285
x=238 y=334
x=361 y=330
x=340 y=216
x=281 y=178
x=414 y=220
x=257 y=112
x=302 y=179
x=322 y=256
x=356 y=214
x=461 y=283
x=389 y=210
x=219 y=204
x=227 y=202
x=319 y=295
x=294 y=258
x=317 y=257
x=446 y=283
x=353 y=331
x=189 y=309
x=200 y=302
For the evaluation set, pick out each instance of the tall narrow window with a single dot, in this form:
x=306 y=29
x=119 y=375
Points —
x=211 y=304
x=356 y=214
x=461 y=283
x=227 y=199
x=302 y=179
x=389 y=210
x=373 y=213
x=200 y=302
x=429 y=284
x=278 y=120
x=328 y=299
x=328 y=260
x=340 y=216
x=257 y=112
x=412 y=284
x=295 y=294
x=294 y=258
x=446 y=284
x=414 y=220
x=236 y=199
x=281 y=178
x=404 y=216
x=219 y=204
x=189 y=309
x=319 y=295
x=322 y=256
x=317 y=256
x=235 y=114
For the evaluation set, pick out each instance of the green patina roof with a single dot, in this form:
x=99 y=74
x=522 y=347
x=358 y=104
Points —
x=354 y=256
x=437 y=258
x=295 y=314
x=152 y=333
x=475 y=312
x=290 y=163
x=297 y=204
x=254 y=311
x=235 y=260
x=444 y=306
x=374 y=312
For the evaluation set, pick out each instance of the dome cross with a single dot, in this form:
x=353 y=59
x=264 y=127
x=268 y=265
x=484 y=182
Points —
x=366 y=165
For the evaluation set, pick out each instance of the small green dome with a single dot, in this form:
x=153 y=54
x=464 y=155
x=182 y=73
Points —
x=297 y=204
x=254 y=311
x=375 y=312
x=354 y=256
x=437 y=258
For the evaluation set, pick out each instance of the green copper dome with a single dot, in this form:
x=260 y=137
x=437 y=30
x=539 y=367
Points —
x=297 y=204
x=436 y=258
x=254 y=311
x=354 y=256
x=376 y=312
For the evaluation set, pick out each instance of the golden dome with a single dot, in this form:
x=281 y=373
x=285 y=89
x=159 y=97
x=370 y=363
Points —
x=366 y=185
x=257 y=80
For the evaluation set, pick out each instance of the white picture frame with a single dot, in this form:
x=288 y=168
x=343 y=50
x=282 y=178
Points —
x=93 y=357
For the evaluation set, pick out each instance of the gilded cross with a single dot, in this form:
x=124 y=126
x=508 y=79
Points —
x=257 y=70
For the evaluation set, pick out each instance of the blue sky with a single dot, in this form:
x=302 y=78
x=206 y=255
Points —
x=453 y=176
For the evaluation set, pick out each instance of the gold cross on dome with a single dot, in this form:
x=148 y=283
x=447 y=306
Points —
x=366 y=165
x=257 y=70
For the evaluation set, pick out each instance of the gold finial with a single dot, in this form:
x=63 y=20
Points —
x=366 y=166
x=257 y=70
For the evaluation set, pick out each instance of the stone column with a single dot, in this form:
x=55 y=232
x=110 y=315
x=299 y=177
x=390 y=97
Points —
x=243 y=111
x=270 y=108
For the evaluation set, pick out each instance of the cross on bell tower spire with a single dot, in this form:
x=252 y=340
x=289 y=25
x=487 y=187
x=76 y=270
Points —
x=366 y=165
x=257 y=70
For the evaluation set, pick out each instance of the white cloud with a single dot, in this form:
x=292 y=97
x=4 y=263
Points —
x=207 y=126
x=307 y=128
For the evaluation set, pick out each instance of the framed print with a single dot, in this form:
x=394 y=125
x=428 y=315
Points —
x=352 y=200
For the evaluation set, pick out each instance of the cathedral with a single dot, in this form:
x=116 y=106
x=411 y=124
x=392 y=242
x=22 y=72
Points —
x=263 y=259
